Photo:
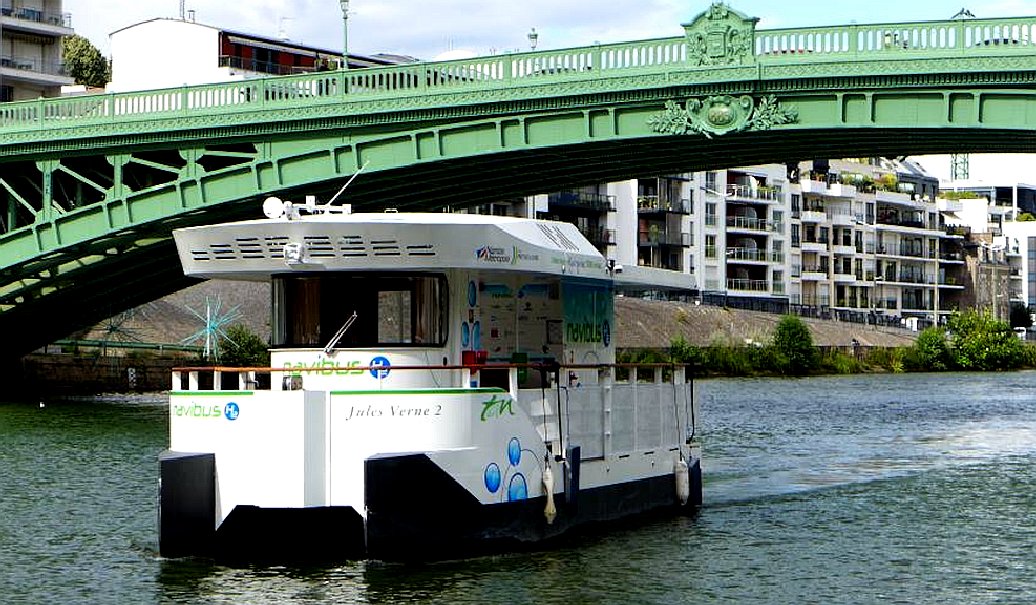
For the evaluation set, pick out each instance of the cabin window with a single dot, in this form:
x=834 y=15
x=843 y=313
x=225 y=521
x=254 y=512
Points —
x=390 y=310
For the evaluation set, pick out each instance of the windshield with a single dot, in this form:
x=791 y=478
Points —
x=309 y=310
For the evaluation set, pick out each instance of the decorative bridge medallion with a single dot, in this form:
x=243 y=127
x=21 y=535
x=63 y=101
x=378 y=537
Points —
x=722 y=114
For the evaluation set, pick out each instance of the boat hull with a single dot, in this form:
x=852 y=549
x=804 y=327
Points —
x=415 y=511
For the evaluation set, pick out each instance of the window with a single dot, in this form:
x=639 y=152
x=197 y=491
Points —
x=389 y=310
x=6 y=93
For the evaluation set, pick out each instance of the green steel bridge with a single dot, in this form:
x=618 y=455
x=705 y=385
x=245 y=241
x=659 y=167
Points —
x=91 y=186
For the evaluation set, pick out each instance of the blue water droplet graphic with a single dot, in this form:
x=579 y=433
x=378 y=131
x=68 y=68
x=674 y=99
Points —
x=472 y=294
x=465 y=335
x=492 y=477
x=517 y=490
x=514 y=451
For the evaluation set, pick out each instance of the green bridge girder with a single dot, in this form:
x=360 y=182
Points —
x=92 y=186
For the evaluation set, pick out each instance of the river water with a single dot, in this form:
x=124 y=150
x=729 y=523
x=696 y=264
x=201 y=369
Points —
x=863 y=489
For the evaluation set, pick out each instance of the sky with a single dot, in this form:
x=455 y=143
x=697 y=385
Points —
x=427 y=28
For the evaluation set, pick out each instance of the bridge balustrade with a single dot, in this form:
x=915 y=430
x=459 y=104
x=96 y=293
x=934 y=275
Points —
x=959 y=35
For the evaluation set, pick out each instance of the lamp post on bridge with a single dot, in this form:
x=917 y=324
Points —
x=345 y=33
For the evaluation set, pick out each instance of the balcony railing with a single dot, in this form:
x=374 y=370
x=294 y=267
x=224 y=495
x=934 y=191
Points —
x=583 y=199
x=816 y=301
x=36 y=15
x=747 y=222
x=653 y=203
x=32 y=64
x=750 y=254
x=664 y=239
x=600 y=237
x=748 y=285
x=763 y=193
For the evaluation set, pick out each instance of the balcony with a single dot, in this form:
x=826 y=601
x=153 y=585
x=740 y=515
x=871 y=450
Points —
x=647 y=204
x=748 y=285
x=649 y=239
x=746 y=223
x=844 y=277
x=830 y=189
x=582 y=199
x=843 y=249
x=600 y=237
x=813 y=216
x=816 y=301
x=762 y=193
x=35 y=21
x=814 y=273
x=842 y=219
x=815 y=244
x=747 y=254
x=33 y=71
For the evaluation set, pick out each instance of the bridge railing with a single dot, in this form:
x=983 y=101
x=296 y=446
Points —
x=958 y=36
x=855 y=42
x=360 y=84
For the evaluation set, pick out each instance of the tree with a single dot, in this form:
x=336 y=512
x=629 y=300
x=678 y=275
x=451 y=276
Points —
x=983 y=343
x=933 y=353
x=84 y=63
x=1020 y=316
x=243 y=348
x=793 y=341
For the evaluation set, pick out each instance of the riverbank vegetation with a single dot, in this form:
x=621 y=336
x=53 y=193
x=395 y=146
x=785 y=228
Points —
x=970 y=341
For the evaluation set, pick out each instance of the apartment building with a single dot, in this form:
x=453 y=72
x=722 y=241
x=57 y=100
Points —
x=30 y=49
x=858 y=240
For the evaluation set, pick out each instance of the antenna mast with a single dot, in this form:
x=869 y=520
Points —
x=183 y=10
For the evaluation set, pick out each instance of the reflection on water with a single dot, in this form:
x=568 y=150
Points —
x=911 y=489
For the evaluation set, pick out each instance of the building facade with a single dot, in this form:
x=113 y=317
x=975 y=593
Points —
x=164 y=53
x=859 y=240
x=30 y=49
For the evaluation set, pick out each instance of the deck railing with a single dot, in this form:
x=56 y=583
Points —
x=605 y=409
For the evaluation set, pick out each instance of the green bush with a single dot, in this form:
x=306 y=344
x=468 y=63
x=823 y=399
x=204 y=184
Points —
x=836 y=362
x=932 y=352
x=981 y=342
x=886 y=358
x=793 y=341
x=243 y=348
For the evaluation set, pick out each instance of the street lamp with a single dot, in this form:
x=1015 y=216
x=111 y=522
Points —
x=533 y=38
x=345 y=34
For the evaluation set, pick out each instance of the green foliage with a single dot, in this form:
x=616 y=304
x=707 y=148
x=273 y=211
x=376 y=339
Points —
x=243 y=348
x=981 y=342
x=1025 y=217
x=836 y=362
x=1028 y=356
x=931 y=351
x=84 y=63
x=794 y=345
x=887 y=358
x=959 y=195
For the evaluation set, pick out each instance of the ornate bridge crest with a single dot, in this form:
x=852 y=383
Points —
x=720 y=36
x=722 y=114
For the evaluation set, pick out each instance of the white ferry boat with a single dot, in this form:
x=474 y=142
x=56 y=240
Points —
x=441 y=386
